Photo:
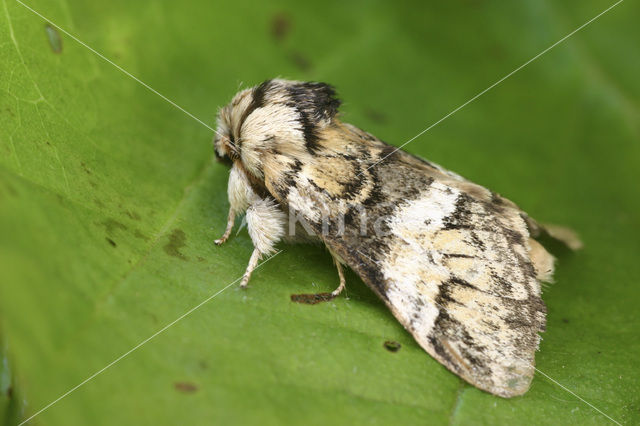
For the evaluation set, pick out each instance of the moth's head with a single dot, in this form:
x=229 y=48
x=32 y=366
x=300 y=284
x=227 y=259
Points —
x=276 y=118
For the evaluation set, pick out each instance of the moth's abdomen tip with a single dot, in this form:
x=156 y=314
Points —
x=512 y=384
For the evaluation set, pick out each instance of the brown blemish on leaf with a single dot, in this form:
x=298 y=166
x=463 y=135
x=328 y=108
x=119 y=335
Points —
x=110 y=241
x=133 y=215
x=111 y=225
x=280 y=26
x=312 y=299
x=300 y=61
x=85 y=168
x=55 y=42
x=138 y=234
x=185 y=387
x=392 y=346
x=375 y=115
x=12 y=191
x=176 y=242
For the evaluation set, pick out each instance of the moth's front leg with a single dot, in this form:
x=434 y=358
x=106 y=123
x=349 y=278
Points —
x=240 y=197
x=266 y=224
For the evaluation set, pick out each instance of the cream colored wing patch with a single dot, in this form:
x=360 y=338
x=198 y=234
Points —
x=459 y=278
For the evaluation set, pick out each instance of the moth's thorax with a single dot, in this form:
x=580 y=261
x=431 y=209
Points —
x=273 y=124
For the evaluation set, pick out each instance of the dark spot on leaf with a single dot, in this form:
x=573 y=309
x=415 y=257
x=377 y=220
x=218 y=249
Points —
x=133 y=215
x=98 y=203
x=203 y=364
x=185 y=387
x=110 y=241
x=201 y=259
x=565 y=320
x=311 y=299
x=375 y=115
x=300 y=61
x=55 y=42
x=85 y=168
x=497 y=51
x=10 y=392
x=111 y=225
x=280 y=26
x=176 y=242
x=474 y=3
x=10 y=188
x=392 y=346
x=140 y=235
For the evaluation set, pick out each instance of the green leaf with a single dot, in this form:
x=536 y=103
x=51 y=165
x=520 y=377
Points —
x=110 y=201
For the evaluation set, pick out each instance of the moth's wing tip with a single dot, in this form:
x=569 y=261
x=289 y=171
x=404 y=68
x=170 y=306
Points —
x=507 y=378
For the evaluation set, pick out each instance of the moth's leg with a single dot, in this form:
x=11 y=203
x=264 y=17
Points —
x=266 y=224
x=231 y=218
x=340 y=288
x=312 y=299
x=240 y=196
x=253 y=262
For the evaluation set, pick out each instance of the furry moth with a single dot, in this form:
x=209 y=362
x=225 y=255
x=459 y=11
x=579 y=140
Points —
x=456 y=264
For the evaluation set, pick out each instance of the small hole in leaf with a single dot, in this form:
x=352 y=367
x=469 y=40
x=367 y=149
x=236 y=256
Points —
x=392 y=346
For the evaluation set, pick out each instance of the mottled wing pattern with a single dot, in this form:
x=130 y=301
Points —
x=451 y=259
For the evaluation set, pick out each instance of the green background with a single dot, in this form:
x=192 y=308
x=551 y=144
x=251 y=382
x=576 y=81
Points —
x=110 y=201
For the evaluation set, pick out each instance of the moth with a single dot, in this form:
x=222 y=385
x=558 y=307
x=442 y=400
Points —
x=456 y=263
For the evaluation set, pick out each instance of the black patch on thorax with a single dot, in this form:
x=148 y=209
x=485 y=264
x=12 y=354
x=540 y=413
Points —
x=257 y=101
